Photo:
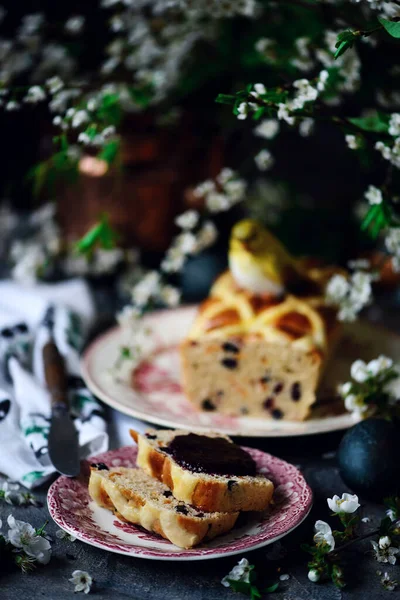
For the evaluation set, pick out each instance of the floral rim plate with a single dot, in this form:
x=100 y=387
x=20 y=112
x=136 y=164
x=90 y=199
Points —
x=154 y=393
x=72 y=509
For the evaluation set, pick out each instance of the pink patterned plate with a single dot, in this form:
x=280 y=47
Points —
x=154 y=393
x=72 y=509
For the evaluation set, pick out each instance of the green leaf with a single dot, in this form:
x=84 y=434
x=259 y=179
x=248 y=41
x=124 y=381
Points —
x=243 y=587
x=370 y=217
x=258 y=114
x=254 y=592
x=102 y=234
x=39 y=174
x=142 y=95
x=225 y=99
x=32 y=476
x=308 y=548
x=378 y=123
x=345 y=40
x=109 y=111
x=272 y=588
x=341 y=49
x=86 y=243
x=110 y=151
x=392 y=27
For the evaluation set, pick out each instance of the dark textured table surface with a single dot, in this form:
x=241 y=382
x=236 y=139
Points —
x=118 y=577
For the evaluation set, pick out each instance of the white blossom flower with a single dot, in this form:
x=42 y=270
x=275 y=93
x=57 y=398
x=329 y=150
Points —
x=79 y=118
x=263 y=44
x=348 y=503
x=365 y=520
x=345 y=389
x=389 y=584
x=186 y=242
x=204 y=188
x=384 y=542
x=23 y=535
x=284 y=577
x=268 y=128
x=173 y=261
x=12 y=105
x=146 y=288
x=74 y=25
x=259 y=90
x=394 y=124
x=108 y=132
x=243 y=110
x=351 y=296
x=188 y=219
x=127 y=317
x=55 y=84
x=376 y=366
x=10 y=493
x=35 y=94
x=264 y=160
x=217 y=202
x=323 y=534
x=240 y=572
x=359 y=371
x=235 y=190
x=84 y=138
x=384 y=552
x=352 y=141
x=283 y=114
x=206 y=236
x=29 y=264
x=337 y=288
x=306 y=93
x=82 y=581
x=355 y=404
x=64 y=535
x=266 y=47
x=306 y=127
x=322 y=79
x=391 y=514
x=374 y=195
x=313 y=575
x=225 y=176
x=170 y=295
x=392 y=243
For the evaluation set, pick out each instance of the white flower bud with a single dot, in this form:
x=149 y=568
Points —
x=313 y=575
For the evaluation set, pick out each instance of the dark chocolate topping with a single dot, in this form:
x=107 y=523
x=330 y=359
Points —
x=215 y=456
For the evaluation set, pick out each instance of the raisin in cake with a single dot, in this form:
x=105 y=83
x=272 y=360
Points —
x=136 y=497
x=257 y=355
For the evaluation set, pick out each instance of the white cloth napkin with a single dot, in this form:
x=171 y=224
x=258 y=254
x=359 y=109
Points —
x=29 y=316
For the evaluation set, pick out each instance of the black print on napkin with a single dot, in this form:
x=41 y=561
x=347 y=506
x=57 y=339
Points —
x=4 y=409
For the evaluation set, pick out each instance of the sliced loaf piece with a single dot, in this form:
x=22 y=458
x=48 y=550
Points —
x=204 y=490
x=137 y=498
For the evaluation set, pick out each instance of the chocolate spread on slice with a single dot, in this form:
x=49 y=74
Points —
x=215 y=456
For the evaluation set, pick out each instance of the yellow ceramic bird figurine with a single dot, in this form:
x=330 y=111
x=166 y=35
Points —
x=259 y=262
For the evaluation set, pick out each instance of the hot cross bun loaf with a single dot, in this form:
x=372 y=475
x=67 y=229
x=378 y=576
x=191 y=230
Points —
x=257 y=355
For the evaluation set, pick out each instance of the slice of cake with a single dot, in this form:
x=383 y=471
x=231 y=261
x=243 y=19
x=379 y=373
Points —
x=257 y=355
x=137 y=498
x=207 y=471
